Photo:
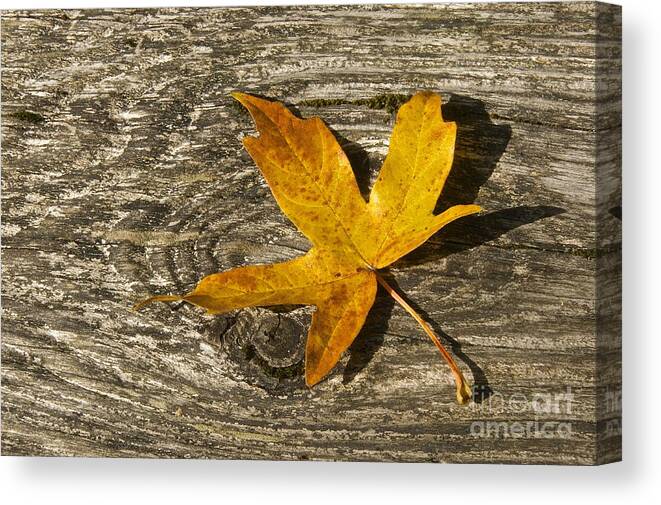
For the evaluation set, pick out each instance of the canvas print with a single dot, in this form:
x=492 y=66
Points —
x=357 y=233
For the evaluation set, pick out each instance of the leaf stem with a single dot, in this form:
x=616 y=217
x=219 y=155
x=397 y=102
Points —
x=463 y=389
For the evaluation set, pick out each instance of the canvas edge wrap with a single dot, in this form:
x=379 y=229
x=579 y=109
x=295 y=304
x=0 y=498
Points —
x=608 y=204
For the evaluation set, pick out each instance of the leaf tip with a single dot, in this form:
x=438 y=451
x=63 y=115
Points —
x=159 y=298
x=311 y=378
x=465 y=210
x=237 y=95
x=139 y=305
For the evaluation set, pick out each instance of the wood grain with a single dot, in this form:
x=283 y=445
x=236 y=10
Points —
x=123 y=176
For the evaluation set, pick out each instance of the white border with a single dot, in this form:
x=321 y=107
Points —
x=72 y=481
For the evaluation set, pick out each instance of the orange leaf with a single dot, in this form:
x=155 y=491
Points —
x=314 y=185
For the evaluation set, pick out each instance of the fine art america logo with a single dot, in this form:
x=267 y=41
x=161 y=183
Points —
x=539 y=405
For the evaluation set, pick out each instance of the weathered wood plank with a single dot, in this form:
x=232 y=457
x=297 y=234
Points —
x=123 y=175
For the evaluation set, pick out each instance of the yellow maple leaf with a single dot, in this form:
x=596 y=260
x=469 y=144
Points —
x=311 y=179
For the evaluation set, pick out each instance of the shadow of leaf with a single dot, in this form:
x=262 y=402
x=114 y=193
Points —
x=476 y=230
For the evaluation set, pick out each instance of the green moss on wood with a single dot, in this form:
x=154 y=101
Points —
x=325 y=102
x=389 y=102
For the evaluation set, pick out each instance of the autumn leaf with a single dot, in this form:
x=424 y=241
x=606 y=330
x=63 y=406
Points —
x=311 y=179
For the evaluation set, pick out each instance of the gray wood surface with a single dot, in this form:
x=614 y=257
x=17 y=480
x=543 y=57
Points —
x=123 y=175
